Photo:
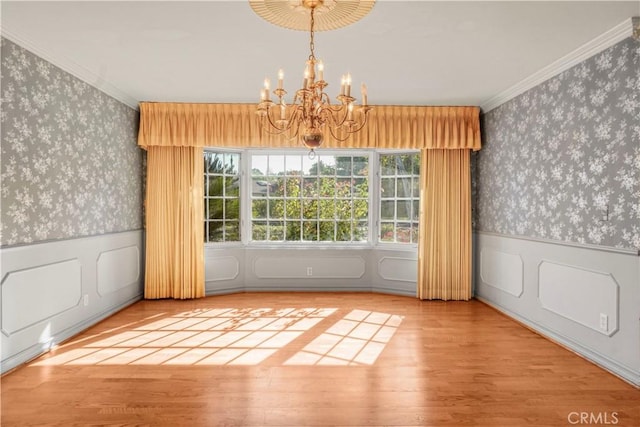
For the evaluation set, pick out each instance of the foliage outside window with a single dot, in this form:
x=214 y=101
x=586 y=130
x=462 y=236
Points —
x=399 y=197
x=297 y=199
x=222 y=196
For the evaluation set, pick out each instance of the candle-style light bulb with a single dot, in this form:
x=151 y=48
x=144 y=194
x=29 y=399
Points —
x=350 y=111
x=363 y=89
x=348 y=85
x=320 y=70
x=343 y=82
x=267 y=84
x=280 y=78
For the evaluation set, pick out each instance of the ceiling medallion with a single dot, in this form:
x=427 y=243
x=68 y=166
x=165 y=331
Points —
x=329 y=14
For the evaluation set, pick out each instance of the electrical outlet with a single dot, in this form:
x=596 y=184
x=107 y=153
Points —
x=604 y=322
x=309 y=271
x=85 y=300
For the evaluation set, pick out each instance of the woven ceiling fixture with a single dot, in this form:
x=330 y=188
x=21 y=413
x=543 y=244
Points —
x=311 y=112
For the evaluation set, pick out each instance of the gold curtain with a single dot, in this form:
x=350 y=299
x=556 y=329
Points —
x=445 y=135
x=444 y=248
x=236 y=125
x=174 y=222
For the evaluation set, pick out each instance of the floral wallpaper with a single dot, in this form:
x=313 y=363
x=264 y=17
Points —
x=557 y=157
x=70 y=165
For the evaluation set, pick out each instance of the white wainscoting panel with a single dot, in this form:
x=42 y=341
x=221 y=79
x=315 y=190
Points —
x=221 y=268
x=566 y=289
x=117 y=269
x=50 y=291
x=502 y=270
x=398 y=268
x=324 y=267
x=579 y=294
x=35 y=294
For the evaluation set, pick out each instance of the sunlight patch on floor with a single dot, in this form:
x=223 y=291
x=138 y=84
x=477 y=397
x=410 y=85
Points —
x=229 y=336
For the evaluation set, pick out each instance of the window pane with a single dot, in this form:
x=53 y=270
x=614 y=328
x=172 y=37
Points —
x=403 y=232
x=416 y=164
x=403 y=187
x=360 y=166
x=386 y=232
x=403 y=210
x=387 y=209
x=343 y=166
x=216 y=209
x=293 y=207
x=310 y=209
x=309 y=166
x=361 y=209
x=310 y=230
x=294 y=165
x=232 y=208
x=343 y=209
x=259 y=230
x=326 y=231
x=293 y=186
x=259 y=209
x=276 y=165
x=293 y=231
x=231 y=163
x=276 y=187
x=276 y=231
x=327 y=165
x=259 y=187
x=327 y=209
x=361 y=187
x=343 y=188
x=388 y=188
x=404 y=164
x=310 y=187
x=387 y=165
x=416 y=186
x=343 y=231
x=361 y=231
x=416 y=210
x=414 y=232
x=213 y=162
x=327 y=187
x=259 y=165
x=216 y=231
x=276 y=208
x=216 y=186
x=231 y=184
x=232 y=231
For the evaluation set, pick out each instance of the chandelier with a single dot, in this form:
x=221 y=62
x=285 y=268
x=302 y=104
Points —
x=311 y=111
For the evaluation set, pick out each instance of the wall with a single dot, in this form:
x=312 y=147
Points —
x=557 y=215
x=71 y=200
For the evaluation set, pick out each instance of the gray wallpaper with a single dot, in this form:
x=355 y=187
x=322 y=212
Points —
x=555 y=157
x=70 y=165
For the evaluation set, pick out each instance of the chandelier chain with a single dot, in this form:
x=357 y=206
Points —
x=311 y=32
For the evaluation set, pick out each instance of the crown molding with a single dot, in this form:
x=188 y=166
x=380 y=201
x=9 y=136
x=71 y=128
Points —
x=72 y=68
x=616 y=34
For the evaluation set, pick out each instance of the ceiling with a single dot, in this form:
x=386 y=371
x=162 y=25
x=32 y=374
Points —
x=407 y=52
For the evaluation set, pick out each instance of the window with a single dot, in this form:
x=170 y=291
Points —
x=399 y=197
x=222 y=196
x=273 y=196
x=297 y=199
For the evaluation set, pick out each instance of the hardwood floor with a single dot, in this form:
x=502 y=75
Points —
x=313 y=359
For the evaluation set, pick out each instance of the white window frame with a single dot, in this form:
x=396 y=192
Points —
x=246 y=201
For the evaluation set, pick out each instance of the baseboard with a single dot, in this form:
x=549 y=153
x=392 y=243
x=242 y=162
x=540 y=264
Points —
x=37 y=350
x=393 y=291
x=623 y=372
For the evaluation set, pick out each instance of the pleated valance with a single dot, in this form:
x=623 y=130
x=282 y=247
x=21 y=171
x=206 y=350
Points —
x=236 y=125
